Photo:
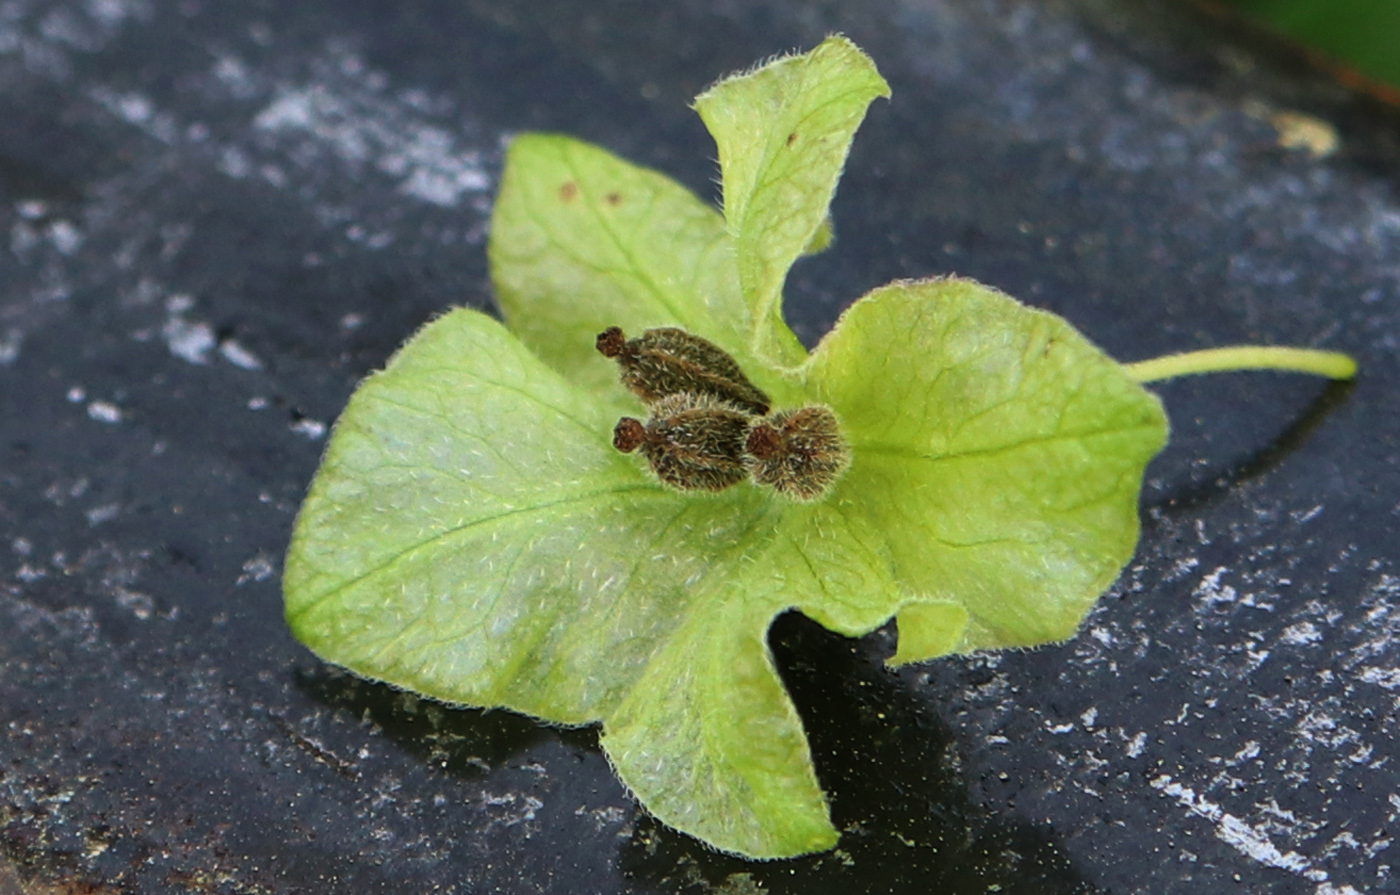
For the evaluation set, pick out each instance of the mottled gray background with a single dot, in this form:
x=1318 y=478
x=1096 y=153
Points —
x=218 y=216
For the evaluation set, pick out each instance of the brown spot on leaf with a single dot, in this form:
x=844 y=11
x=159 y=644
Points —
x=792 y=138
x=614 y=199
x=568 y=192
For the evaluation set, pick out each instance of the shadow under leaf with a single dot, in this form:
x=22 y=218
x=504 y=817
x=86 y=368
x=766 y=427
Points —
x=1192 y=496
x=897 y=796
x=458 y=741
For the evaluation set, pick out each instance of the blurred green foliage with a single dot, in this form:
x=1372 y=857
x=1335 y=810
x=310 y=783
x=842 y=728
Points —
x=1362 y=33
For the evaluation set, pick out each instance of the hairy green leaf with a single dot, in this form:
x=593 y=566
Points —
x=998 y=450
x=473 y=535
x=582 y=240
x=783 y=133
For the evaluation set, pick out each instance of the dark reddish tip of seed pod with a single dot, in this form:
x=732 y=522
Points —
x=765 y=442
x=628 y=434
x=611 y=342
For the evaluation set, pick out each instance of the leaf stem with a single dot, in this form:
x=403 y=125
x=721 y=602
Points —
x=1331 y=364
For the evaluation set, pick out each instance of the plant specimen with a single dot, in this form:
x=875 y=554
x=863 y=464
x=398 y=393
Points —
x=946 y=457
x=799 y=452
x=693 y=443
x=670 y=361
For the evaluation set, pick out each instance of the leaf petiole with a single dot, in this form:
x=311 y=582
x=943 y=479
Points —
x=1332 y=364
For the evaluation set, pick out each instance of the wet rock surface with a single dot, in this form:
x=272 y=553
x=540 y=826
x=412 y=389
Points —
x=220 y=216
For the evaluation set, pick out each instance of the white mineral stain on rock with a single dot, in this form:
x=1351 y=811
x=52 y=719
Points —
x=1210 y=591
x=134 y=108
x=1389 y=678
x=105 y=513
x=138 y=604
x=1136 y=745
x=189 y=340
x=1303 y=516
x=1248 y=752
x=234 y=162
x=361 y=127
x=139 y=111
x=1236 y=833
x=104 y=412
x=258 y=568
x=29 y=574
x=239 y=356
x=1302 y=634
x=65 y=237
x=11 y=339
x=313 y=429
x=114 y=12
x=234 y=74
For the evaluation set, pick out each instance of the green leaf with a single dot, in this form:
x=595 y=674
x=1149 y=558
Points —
x=473 y=535
x=822 y=239
x=1361 y=33
x=998 y=451
x=582 y=240
x=452 y=477
x=783 y=133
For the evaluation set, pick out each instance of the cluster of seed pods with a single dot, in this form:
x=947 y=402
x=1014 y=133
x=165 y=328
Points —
x=711 y=428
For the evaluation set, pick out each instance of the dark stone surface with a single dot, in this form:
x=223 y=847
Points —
x=220 y=215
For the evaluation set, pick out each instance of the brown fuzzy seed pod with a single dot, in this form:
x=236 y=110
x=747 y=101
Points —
x=669 y=361
x=800 y=453
x=693 y=443
x=765 y=442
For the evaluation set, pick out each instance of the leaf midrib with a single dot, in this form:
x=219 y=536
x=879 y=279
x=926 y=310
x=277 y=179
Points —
x=910 y=453
x=386 y=564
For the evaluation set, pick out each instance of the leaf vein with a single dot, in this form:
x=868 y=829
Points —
x=384 y=565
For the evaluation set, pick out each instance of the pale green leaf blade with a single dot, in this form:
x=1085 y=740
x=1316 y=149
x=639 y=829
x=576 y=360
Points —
x=783 y=132
x=855 y=592
x=822 y=239
x=711 y=744
x=839 y=571
x=708 y=739
x=928 y=630
x=472 y=535
x=998 y=451
x=582 y=240
x=439 y=546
